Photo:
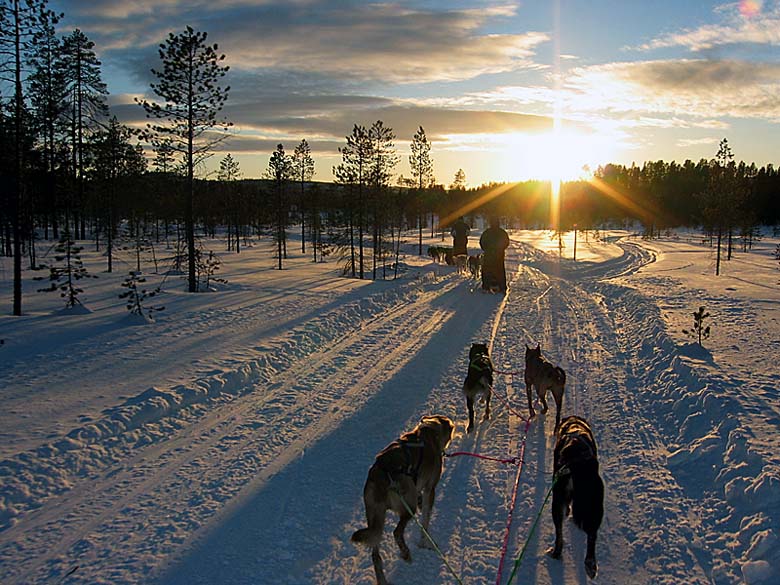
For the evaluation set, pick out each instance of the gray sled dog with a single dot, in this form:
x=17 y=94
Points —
x=407 y=468
x=544 y=376
x=578 y=486
x=479 y=380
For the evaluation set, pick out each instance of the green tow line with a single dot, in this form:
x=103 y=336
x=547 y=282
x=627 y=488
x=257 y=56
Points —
x=533 y=526
x=428 y=536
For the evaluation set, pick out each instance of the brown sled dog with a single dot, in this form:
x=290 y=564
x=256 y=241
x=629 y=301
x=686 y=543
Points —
x=407 y=468
x=479 y=380
x=544 y=376
x=577 y=486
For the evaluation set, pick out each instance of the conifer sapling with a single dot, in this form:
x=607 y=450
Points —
x=699 y=330
x=136 y=297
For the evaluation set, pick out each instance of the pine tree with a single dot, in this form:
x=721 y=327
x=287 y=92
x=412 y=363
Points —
x=48 y=98
x=699 y=329
x=303 y=171
x=280 y=172
x=114 y=158
x=88 y=108
x=354 y=171
x=383 y=161
x=422 y=171
x=230 y=172
x=459 y=181
x=136 y=298
x=189 y=85
x=68 y=270
x=20 y=22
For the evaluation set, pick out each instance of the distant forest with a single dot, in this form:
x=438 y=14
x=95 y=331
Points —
x=71 y=172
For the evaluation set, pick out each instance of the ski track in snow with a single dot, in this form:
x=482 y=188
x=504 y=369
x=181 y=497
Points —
x=255 y=475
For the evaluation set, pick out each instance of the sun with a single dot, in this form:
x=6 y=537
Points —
x=556 y=155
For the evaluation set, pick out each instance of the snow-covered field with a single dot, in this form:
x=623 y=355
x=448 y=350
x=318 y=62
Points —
x=228 y=442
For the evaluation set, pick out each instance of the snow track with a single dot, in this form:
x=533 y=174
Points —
x=254 y=474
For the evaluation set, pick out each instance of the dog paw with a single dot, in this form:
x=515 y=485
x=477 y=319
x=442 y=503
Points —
x=591 y=568
x=405 y=554
x=553 y=553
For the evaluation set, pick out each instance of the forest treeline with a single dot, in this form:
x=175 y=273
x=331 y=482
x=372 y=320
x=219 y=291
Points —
x=71 y=172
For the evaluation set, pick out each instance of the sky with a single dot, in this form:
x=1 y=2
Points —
x=504 y=90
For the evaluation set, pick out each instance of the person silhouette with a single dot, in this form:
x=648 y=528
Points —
x=460 y=237
x=494 y=241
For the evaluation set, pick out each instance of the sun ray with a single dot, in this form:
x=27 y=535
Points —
x=624 y=201
x=478 y=202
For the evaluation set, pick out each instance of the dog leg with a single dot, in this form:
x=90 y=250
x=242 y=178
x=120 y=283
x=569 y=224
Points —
x=559 y=505
x=470 y=406
x=378 y=569
x=398 y=534
x=487 y=405
x=558 y=407
x=427 y=508
x=590 y=557
x=531 y=412
x=543 y=398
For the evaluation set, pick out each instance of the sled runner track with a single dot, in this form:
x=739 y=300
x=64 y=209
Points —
x=232 y=428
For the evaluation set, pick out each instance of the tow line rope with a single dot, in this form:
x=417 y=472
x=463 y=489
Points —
x=512 y=504
x=428 y=536
x=531 y=532
x=510 y=461
x=505 y=402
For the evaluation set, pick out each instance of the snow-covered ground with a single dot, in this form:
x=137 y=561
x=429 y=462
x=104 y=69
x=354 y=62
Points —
x=228 y=442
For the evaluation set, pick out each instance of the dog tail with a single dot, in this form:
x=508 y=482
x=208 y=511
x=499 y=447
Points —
x=366 y=536
x=560 y=374
x=587 y=507
x=375 y=513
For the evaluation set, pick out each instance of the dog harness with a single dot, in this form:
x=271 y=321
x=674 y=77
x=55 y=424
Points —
x=412 y=464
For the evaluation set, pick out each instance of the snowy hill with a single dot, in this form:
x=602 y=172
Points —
x=228 y=441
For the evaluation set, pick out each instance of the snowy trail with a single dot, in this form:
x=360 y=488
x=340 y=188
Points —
x=252 y=472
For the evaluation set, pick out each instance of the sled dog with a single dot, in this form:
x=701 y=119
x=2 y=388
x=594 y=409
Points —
x=475 y=264
x=578 y=486
x=461 y=263
x=407 y=468
x=479 y=380
x=544 y=376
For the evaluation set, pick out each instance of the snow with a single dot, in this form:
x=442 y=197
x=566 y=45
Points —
x=228 y=440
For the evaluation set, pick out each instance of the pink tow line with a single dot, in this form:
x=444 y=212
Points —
x=512 y=461
x=512 y=505
x=505 y=402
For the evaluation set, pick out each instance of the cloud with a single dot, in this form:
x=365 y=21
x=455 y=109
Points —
x=696 y=88
x=745 y=23
x=686 y=142
x=379 y=41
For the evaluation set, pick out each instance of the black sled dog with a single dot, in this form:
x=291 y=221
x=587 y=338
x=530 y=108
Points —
x=407 y=468
x=578 y=486
x=544 y=376
x=479 y=380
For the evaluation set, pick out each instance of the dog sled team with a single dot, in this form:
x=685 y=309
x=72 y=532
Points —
x=487 y=266
x=405 y=474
